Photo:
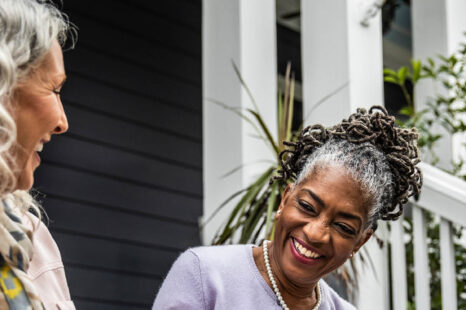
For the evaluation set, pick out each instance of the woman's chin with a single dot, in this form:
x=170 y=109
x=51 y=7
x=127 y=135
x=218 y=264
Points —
x=25 y=184
x=298 y=273
x=25 y=180
x=301 y=270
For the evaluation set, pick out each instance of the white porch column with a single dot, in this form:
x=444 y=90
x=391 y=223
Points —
x=438 y=27
x=342 y=70
x=242 y=31
x=342 y=60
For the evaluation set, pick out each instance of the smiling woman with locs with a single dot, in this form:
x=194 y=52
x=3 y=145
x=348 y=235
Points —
x=342 y=181
x=32 y=74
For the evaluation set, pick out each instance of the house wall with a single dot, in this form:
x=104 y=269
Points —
x=124 y=186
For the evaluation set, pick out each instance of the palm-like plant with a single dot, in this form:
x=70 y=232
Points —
x=253 y=213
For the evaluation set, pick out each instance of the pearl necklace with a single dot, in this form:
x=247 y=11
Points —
x=274 y=284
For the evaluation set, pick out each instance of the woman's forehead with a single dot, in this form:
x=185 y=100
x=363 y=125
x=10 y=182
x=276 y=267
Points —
x=334 y=187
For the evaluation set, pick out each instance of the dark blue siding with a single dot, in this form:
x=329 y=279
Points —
x=124 y=186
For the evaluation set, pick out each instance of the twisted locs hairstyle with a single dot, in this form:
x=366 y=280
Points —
x=374 y=151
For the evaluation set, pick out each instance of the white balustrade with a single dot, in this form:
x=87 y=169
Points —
x=444 y=196
x=399 y=280
x=448 y=271
x=421 y=259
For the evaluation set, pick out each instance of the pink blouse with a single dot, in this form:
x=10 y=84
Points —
x=47 y=272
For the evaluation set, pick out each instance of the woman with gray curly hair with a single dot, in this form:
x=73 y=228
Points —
x=340 y=182
x=31 y=76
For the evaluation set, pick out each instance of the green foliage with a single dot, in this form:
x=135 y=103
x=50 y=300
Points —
x=258 y=203
x=442 y=111
x=448 y=75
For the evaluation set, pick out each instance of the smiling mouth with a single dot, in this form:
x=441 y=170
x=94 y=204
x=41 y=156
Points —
x=304 y=252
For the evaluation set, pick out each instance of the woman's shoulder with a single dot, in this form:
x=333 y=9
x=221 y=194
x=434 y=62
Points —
x=223 y=257
x=46 y=252
x=220 y=251
x=202 y=275
x=46 y=269
x=332 y=299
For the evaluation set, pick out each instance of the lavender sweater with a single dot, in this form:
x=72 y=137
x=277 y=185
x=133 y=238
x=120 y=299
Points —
x=225 y=277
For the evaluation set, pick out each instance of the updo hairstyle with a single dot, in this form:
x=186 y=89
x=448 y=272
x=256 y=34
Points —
x=379 y=155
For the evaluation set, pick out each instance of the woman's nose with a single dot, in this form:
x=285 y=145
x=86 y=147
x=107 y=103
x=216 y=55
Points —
x=62 y=125
x=317 y=231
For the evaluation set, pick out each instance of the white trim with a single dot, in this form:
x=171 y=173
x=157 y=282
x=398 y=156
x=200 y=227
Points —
x=443 y=194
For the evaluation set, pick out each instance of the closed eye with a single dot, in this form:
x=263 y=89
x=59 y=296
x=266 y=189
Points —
x=345 y=228
x=306 y=206
x=59 y=87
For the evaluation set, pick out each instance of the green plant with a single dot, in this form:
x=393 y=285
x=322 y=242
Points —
x=442 y=111
x=253 y=213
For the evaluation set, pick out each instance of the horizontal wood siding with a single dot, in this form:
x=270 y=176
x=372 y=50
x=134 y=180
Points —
x=123 y=187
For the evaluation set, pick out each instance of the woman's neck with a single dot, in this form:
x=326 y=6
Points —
x=295 y=296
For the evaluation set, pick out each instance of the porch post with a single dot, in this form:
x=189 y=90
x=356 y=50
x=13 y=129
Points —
x=342 y=70
x=342 y=59
x=241 y=32
x=438 y=27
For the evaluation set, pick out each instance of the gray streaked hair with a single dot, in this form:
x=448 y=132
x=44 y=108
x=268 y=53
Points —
x=27 y=30
x=376 y=152
x=364 y=163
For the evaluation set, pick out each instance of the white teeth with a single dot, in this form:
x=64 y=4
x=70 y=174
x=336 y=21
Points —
x=39 y=147
x=305 y=252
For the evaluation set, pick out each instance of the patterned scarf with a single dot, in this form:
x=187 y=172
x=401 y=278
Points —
x=16 y=249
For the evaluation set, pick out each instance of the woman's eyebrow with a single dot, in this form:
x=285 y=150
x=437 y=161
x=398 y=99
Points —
x=347 y=215
x=350 y=216
x=314 y=196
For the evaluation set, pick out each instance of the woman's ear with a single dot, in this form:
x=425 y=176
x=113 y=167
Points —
x=285 y=196
x=367 y=234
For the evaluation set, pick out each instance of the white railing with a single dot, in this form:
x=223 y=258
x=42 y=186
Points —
x=445 y=196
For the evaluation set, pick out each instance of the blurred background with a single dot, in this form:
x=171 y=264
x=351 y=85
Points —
x=154 y=148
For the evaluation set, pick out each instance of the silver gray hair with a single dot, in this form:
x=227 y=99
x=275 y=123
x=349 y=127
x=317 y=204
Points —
x=27 y=31
x=363 y=162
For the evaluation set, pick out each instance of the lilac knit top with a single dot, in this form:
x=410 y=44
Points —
x=225 y=277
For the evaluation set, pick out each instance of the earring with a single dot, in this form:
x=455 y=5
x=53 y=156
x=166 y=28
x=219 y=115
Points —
x=279 y=212
x=351 y=255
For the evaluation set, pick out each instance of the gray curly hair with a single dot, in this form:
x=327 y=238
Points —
x=27 y=30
